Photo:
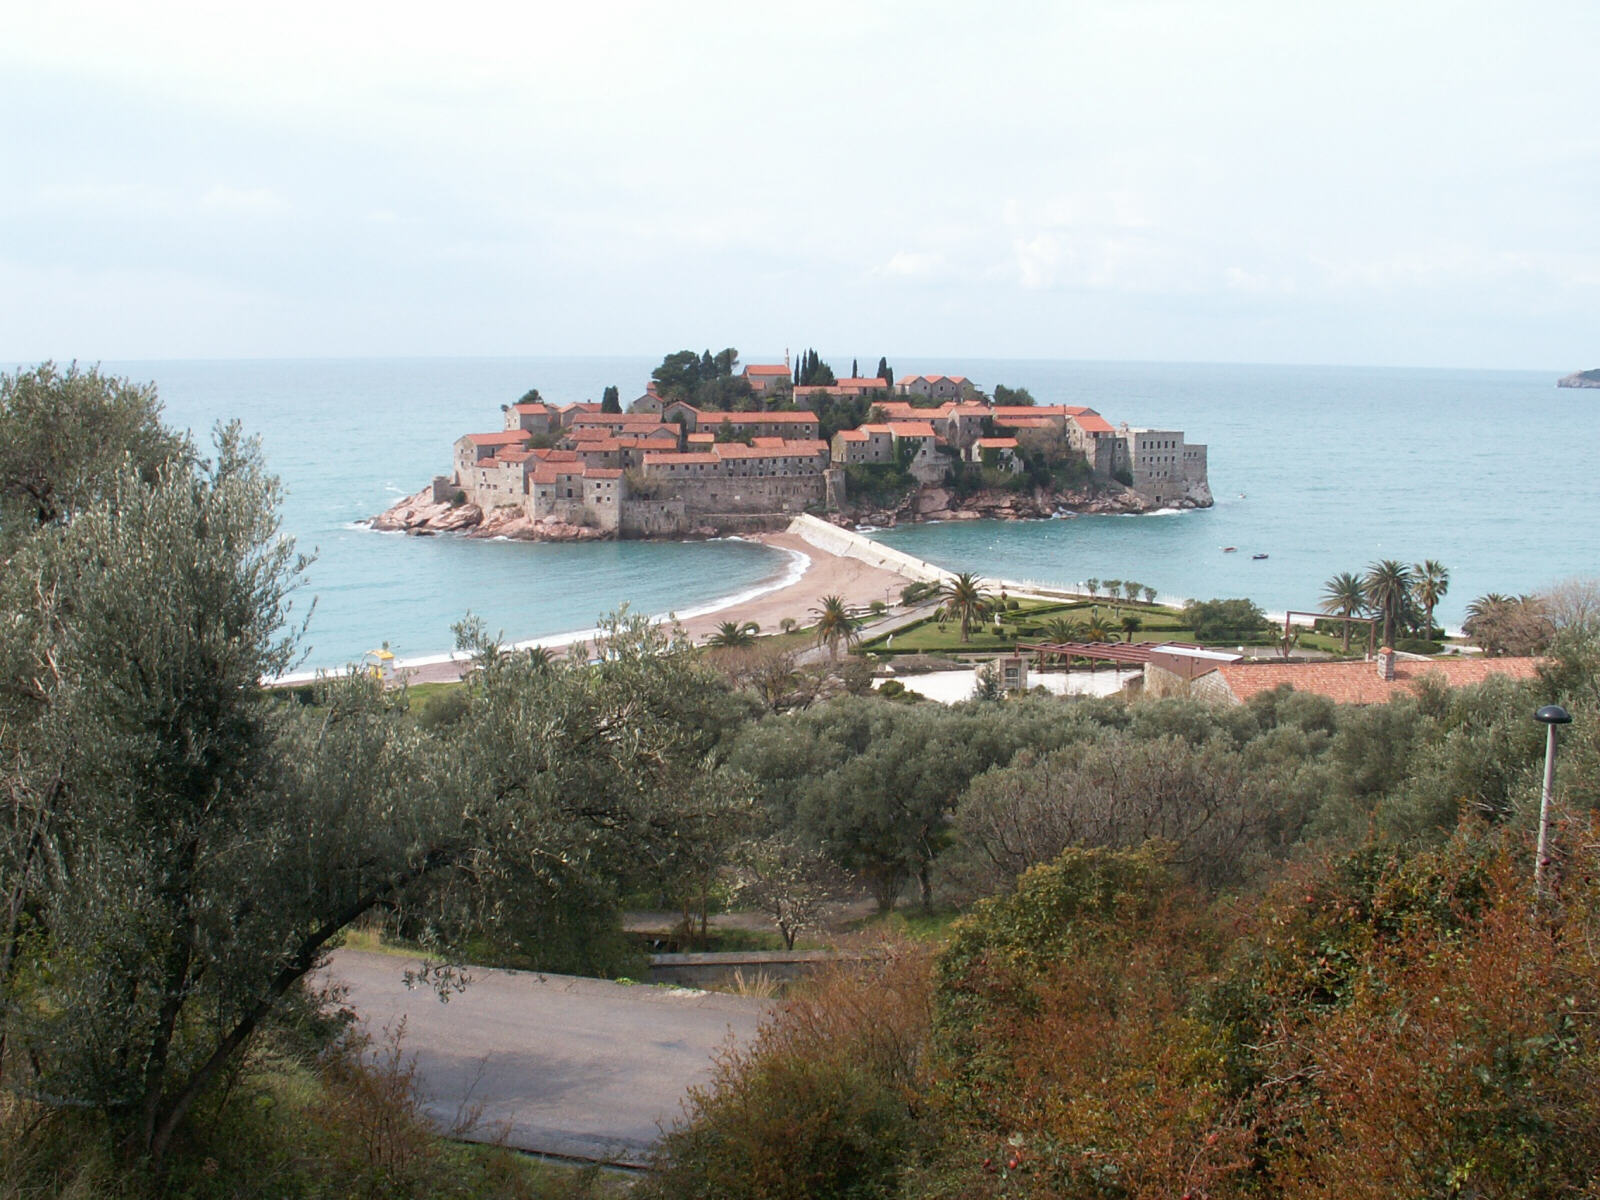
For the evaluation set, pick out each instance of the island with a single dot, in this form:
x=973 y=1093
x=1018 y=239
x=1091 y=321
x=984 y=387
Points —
x=859 y=451
x=1581 y=379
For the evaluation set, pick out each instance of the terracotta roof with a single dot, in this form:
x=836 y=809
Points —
x=855 y=435
x=997 y=443
x=862 y=381
x=1359 y=682
x=878 y=430
x=530 y=408
x=910 y=412
x=514 y=454
x=558 y=456
x=766 y=369
x=766 y=441
x=761 y=418
x=701 y=439
x=902 y=429
x=500 y=437
x=1093 y=422
x=543 y=474
x=1028 y=410
x=662 y=458
x=643 y=418
x=1027 y=422
x=803 y=449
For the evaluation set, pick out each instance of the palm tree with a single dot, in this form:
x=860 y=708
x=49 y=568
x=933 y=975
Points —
x=965 y=599
x=1486 y=618
x=1345 y=595
x=732 y=634
x=1387 y=584
x=1130 y=626
x=1093 y=585
x=1149 y=595
x=1061 y=630
x=1096 y=630
x=1430 y=582
x=835 y=624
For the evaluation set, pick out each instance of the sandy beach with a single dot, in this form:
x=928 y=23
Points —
x=823 y=574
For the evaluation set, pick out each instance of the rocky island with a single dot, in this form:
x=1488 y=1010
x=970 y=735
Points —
x=1581 y=379
x=869 y=450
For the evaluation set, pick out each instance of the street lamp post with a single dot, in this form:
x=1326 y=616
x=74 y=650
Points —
x=1549 y=716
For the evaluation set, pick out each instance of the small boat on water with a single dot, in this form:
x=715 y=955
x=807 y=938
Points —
x=1229 y=549
x=1258 y=556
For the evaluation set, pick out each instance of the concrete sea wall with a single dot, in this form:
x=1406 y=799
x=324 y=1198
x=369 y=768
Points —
x=849 y=544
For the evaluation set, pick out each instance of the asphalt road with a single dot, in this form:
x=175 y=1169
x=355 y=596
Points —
x=554 y=1064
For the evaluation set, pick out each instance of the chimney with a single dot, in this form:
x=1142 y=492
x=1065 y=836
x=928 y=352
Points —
x=1386 y=664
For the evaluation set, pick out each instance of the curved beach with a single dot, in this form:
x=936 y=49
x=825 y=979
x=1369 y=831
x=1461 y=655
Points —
x=813 y=572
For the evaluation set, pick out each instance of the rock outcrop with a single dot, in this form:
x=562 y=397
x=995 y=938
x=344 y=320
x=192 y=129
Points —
x=1586 y=379
x=942 y=504
x=421 y=516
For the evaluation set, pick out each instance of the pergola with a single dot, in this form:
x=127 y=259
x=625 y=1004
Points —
x=1134 y=654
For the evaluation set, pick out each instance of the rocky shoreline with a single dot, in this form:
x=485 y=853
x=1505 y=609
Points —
x=421 y=516
x=1582 y=379
x=933 y=503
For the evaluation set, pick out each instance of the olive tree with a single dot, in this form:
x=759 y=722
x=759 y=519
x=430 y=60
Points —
x=179 y=849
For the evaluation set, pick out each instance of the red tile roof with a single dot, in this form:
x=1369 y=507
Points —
x=1093 y=422
x=862 y=381
x=1028 y=410
x=530 y=408
x=997 y=443
x=759 y=418
x=663 y=458
x=855 y=435
x=500 y=437
x=909 y=429
x=1359 y=682
x=798 y=449
x=766 y=369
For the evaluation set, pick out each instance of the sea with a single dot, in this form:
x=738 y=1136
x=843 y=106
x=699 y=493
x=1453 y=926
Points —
x=1315 y=470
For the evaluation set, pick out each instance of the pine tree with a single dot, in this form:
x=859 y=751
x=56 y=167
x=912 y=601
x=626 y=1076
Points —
x=884 y=373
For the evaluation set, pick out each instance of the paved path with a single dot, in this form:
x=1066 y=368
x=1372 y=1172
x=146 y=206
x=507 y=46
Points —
x=558 y=1065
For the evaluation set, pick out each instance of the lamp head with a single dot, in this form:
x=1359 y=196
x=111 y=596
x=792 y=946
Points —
x=1553 y=714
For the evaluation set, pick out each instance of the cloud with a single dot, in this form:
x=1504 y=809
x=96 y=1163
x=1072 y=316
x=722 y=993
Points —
x=909 y=264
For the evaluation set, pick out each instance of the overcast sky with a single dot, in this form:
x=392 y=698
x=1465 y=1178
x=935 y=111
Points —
x=1412 y=183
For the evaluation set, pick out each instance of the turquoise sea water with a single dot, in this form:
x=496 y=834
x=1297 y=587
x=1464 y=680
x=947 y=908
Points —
x=1490 y=472
x=1323 y=469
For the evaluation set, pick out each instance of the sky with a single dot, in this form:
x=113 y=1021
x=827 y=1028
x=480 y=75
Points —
x=1406 y=184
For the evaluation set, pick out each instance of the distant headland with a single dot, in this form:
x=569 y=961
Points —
x=710 y=450
x=1586 y=379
